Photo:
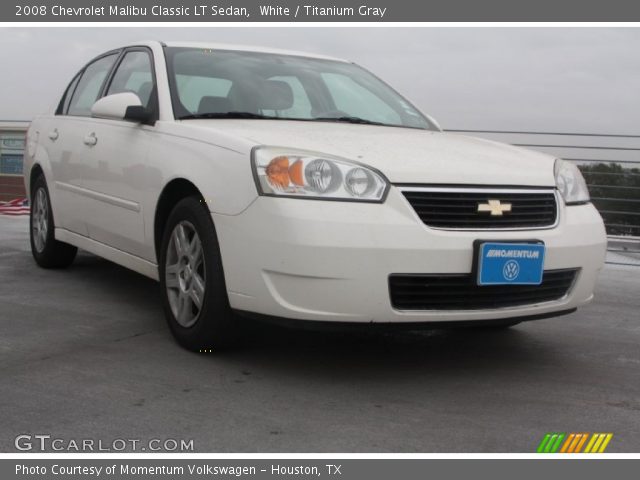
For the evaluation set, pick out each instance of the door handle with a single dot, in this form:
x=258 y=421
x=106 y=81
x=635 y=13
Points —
x=53 y=135
x=91 y=139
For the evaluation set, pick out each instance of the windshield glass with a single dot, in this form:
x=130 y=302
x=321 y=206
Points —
x=208 y=83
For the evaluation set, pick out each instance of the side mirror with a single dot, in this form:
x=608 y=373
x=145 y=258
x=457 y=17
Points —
x=121 y=106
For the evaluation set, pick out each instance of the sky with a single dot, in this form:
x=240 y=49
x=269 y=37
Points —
x=558 y=79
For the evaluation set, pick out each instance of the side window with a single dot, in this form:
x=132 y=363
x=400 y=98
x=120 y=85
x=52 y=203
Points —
x=89 y=86
x=193 y=89
x=63 y=106
x=134 y=75
x=355 y=100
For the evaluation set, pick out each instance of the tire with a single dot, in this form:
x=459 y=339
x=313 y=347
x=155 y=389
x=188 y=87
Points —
x=46 y=250
x=194 y=293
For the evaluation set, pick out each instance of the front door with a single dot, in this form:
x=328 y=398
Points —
x=115 y=158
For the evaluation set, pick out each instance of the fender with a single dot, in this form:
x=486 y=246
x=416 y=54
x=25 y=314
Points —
x=222 y=174
x=37 y=155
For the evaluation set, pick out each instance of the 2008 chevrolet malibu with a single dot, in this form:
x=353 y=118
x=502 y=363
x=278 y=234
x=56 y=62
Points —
x=293 y=186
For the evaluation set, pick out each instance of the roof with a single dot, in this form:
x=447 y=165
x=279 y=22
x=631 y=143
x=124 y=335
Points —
x=247 y=48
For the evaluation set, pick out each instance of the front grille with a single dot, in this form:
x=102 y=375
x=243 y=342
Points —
x=460 y=292
x=458 y=208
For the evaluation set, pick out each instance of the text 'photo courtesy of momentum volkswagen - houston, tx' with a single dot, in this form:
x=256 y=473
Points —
x=284 y=185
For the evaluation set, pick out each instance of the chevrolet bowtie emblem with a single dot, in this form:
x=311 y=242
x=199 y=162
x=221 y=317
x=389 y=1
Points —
x=495 y=207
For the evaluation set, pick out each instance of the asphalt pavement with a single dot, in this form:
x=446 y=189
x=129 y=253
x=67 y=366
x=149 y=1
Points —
x=85 y=353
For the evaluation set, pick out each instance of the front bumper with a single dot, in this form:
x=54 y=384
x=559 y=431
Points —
x=331 y=261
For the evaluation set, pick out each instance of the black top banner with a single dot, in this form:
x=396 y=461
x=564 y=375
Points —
x=319 y=11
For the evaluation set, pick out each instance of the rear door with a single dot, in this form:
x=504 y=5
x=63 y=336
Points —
x=63 y=140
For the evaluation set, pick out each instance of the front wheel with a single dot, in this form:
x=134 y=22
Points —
x=46 y=250
x=192 y=280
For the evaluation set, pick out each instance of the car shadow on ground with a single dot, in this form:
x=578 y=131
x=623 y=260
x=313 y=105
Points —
x=395 y=353
x=338 y=353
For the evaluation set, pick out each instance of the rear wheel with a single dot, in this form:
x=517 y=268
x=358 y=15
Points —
x=46 y=250
x=192 y=280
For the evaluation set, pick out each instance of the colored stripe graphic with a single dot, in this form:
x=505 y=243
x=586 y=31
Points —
x=543 y=443
x=594 y=437
x=556 y=445
x=573 y=442
x=567 y=443
x=552 y=439
x=581 y=442
x=605 y=443
x=550 y=443
x=598 y=443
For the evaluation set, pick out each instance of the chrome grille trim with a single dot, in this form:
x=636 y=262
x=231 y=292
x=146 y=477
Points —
x=488 y=190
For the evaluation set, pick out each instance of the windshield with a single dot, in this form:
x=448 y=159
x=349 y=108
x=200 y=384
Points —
x=208 y=83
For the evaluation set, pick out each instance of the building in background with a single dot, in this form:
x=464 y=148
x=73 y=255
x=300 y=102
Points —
x=12 y=141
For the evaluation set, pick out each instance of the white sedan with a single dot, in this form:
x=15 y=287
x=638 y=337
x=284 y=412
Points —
x=293 y=186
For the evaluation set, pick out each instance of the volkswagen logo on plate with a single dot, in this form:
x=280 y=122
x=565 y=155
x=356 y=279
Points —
x=511 y=270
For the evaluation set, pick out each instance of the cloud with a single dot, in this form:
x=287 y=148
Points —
x=576 y=79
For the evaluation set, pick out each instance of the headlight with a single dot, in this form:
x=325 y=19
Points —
x=283 y=172
x=570 y=183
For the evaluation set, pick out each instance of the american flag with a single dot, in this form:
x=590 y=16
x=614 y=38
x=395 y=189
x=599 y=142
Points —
x=19 y=206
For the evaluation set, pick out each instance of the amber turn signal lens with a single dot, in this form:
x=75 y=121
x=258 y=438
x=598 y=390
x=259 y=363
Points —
x=296 y=173
x=278 y=172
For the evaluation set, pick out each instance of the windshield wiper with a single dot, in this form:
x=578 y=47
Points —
x=250 y=115
x=347 y=120
x=196 y=116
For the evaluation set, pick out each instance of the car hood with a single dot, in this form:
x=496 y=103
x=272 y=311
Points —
x=403 y=155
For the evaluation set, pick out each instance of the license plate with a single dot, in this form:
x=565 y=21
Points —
x=510 y=263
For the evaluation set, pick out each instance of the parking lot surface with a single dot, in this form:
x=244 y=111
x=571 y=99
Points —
x=86 y=353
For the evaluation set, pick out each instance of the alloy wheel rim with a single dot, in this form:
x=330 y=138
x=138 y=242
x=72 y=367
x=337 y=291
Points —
x=40 y=219
x=185 y=277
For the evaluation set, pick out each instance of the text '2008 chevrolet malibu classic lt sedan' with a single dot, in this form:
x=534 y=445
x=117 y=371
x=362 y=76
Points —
x=294 y=186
